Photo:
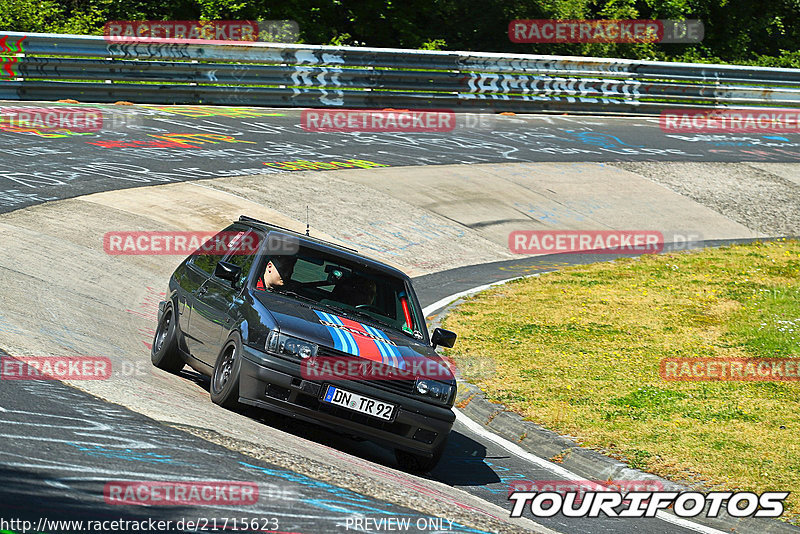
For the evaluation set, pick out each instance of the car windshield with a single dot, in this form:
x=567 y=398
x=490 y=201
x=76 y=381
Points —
x=350 y=289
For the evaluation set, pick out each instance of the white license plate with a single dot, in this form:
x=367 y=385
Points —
x=359 y=403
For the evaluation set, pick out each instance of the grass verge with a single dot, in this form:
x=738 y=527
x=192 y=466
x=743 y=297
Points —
x=579 y=350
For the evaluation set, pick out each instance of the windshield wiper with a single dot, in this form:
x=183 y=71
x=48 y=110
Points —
x=359 y=313
x=290 y=293
x=373 y=319
x=344 y=312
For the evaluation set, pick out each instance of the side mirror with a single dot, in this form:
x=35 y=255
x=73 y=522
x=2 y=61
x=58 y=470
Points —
x=227 y=271
x=443 y=337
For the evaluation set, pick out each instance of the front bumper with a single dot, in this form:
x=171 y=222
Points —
x=276 y=384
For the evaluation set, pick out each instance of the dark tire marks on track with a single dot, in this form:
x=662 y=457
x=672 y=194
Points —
x=38 y=169
x=148 y=145
x=60 y=447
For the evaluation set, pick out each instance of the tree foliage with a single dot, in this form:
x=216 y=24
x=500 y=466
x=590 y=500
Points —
x=736 y=31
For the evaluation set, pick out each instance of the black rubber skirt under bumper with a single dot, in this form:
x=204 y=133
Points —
x=276 y=384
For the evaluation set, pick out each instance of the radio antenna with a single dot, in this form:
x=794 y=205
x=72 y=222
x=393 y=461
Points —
x=308 y=227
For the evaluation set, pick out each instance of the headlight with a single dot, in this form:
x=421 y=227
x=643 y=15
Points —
x=290 y=346
x=433 y=390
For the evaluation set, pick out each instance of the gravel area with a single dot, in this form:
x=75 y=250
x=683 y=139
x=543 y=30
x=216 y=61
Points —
x=763 y=198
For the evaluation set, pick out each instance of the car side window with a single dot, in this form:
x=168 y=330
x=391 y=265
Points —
x=242 y=252
x=216 y=248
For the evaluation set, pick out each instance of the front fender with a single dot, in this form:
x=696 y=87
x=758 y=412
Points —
x=242 y=327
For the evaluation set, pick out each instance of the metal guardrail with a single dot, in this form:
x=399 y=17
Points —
x=99 y=69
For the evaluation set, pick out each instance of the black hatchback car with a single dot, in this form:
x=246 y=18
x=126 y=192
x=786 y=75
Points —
x=300 y=326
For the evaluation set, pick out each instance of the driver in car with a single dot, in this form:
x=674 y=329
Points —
x=277 y=272
x=355 y=291
x=363 y=292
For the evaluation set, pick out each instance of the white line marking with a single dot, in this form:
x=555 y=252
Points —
x=3 y=409
x=522 y=453
x=685 y=523
x=563 y=472
x=441 y=303
x=513 y=447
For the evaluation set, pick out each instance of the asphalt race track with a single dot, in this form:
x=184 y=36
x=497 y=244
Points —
x=63 y=295
x=60 y=438
x=145 y=145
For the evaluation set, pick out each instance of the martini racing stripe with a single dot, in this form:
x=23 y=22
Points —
x=354 y=347
x=343 y=340
x=367 y=346
x=336 y=334
x=385 y=355
x=391 y=350
x=401 y=363
x=361 y=340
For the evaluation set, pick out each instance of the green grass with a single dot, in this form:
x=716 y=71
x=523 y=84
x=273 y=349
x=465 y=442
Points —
x=579 y=350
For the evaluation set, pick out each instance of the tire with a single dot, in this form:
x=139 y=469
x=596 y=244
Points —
x=164 y=353
x=417 y=463
x=224 y=386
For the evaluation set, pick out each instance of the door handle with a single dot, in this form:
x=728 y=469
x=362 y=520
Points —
x=202 y=291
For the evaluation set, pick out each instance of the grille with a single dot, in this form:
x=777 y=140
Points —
x=405 y=387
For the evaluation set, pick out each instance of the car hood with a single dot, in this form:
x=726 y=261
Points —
x=343 y=336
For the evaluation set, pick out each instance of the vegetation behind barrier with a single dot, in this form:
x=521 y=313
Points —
x=736 y=31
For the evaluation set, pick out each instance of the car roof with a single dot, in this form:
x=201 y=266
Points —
x=321 y=245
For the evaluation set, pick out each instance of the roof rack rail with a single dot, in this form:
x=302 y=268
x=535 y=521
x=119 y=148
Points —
x=253 y=219
x=245 y=218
